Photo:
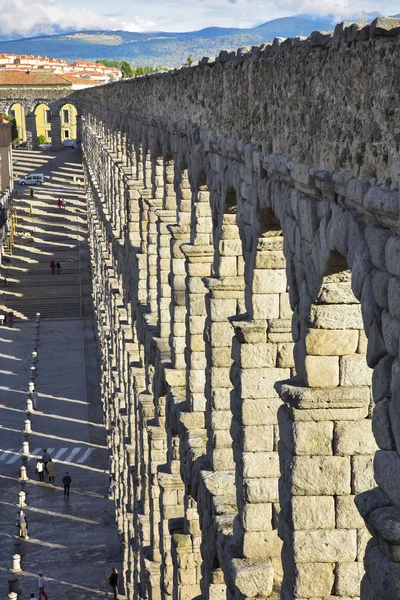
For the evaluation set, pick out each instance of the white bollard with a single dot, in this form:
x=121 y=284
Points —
x=29 y=405
x=34 y=357
x=22 y=474
x=28 y=426
x=31 y=387
x=16 y=568
x=12 y=596
x=32 y=374
x=21 y=500
x=37 y=316
x=25 y=448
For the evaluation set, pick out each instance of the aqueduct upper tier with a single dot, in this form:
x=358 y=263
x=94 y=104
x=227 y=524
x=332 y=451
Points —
x=244 y=220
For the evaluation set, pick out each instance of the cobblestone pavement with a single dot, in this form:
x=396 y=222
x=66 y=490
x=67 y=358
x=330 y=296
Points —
x=71 y=539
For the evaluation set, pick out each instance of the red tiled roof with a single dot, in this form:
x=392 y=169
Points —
x=77 y=80
x=34 y=77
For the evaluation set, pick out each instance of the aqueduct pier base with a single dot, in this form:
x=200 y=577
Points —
x=245 y=242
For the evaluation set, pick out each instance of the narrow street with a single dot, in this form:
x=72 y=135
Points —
x=72 y=540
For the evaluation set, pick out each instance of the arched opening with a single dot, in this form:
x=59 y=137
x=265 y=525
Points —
x=43 y=124
x=17 y=111
x=68 y=117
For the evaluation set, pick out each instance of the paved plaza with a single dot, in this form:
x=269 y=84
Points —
x=73 y=540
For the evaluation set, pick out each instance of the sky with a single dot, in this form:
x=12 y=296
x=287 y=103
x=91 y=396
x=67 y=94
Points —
x=40 y=16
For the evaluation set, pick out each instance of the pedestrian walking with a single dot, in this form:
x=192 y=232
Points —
x=53 y=266
x=58 y=267
x=31 y=192
x=5 y=320
x=51 y=470
x=67 y=482
x=10 y=318
x=41 y=586
x=33 y=597
x=59 y=202
x=23 y=525
x=64 y=203
x=113 y=581
x=40 y=469
x=45 y=458
x=111 y=485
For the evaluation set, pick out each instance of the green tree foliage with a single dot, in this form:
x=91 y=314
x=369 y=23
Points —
x=109 y=63
x=126 y=69
x=188 y=61
x=41 y=139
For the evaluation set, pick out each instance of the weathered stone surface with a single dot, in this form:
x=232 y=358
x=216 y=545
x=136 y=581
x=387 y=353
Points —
x=348 y=578
x=354 y=438
x=336 y=316
x=329 y=342
x=320 y=475
x=325 y=546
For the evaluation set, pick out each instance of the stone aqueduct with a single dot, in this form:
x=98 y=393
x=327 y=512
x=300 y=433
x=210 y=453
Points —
x=244 y=221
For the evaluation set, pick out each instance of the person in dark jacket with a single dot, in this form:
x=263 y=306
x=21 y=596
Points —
x=67 y=482
x=114 y=581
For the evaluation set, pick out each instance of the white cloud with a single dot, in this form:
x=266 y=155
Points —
x=30 y=17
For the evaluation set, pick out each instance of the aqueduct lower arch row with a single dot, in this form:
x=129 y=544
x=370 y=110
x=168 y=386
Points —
x=246 y=288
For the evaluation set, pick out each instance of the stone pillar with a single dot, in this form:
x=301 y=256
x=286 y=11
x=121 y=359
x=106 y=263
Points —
x=326 y=446
x=199 y=261
x=31 y=131
x=177 y=276
x=165 y=219
x=222 y=302
x=56 y=140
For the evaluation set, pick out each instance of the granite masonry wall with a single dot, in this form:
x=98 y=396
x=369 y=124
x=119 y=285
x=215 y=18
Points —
x=244 y=220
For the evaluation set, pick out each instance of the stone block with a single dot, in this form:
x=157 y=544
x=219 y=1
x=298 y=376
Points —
x=393 y=297
x=258 y=438
x=319 y=475
x=354 y=438
x=257 y=517
x=348 y=578
x=376 y=239
x=382 y=426
x=260 y=411
x=347 y=515
x=362 y=474
x=221 y=309
x=316 y=371
x=260 y=464
x=285 y=357
x=313 y=512
x=253 y=356
x=261 y=544
x=331 y=342
x=336 y=316
x=252 y=579
x=260 y=383
x=325 y=546
x=272 y=281
x=314 y=580
x=392 y=255
x=270 y=260
x=265 y=306
x=307 y=438
x=261 y=490
x=338 y=292
x=221 y=334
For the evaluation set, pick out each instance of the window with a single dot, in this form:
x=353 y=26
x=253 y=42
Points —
x=66 y=116
x=66 y=134
x=48 y=116
x=48 y=133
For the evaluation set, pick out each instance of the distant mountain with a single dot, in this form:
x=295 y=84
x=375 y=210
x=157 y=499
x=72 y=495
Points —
x=162 y=48
x=159 y=48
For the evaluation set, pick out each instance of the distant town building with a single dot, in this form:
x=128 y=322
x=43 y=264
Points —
x=87 y=70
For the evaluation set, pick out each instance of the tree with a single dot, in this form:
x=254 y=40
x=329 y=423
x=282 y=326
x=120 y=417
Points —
x=41 y=139
x=126 y=70
x=188 y=61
